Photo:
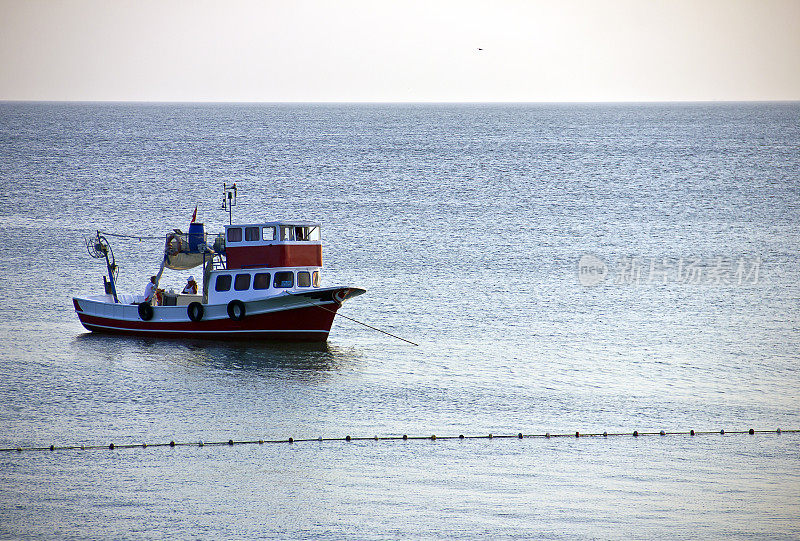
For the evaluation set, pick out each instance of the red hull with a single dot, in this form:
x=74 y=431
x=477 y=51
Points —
x=303 y=324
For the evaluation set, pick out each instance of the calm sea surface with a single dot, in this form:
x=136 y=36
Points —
x=563 y=268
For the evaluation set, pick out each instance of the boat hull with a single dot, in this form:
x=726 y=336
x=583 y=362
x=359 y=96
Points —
x=303 y=317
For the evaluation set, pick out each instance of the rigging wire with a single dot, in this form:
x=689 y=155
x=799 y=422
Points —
x=138 y=237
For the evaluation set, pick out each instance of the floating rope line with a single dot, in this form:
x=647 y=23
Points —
x=404 y=437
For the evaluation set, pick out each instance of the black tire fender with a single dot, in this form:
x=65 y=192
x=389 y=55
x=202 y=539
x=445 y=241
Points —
x=195 y=311
x=145 y=311
x=236 y=310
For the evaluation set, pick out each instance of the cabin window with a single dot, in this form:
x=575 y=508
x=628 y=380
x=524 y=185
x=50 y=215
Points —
x=251 y=233
x=304 y=279
x=287 y=232
x=268 y=233
x=223 y=282
x=242 y=282
x=234 y=234
x=261 y=280
x=300 y=233
x=313 y=233
x=283 y=279
x=315 y=278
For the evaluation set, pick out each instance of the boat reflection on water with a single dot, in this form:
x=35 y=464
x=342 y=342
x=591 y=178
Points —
x=295 y=360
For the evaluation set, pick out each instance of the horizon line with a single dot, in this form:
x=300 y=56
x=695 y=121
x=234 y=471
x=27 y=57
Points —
x=403 y=102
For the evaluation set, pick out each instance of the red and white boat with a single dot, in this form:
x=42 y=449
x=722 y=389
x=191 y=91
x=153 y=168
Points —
x=260 y=281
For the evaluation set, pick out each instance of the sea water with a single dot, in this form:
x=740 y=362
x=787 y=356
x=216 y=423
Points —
x=562 y=268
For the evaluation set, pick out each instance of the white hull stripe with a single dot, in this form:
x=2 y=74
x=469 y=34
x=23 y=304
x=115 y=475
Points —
x=131 y=329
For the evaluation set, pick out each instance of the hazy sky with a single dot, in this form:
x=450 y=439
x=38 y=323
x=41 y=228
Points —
x=559 y=50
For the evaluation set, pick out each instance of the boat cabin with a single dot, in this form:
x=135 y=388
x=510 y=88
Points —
x=267 y=259
x=273 y=244
x=247 y=284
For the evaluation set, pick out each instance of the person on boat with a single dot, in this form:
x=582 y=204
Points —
x=150 y=290
x=191 y=287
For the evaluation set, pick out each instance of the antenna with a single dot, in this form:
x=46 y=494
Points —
x=229 y=200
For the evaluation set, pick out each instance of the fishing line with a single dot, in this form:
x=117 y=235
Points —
x=353 y=319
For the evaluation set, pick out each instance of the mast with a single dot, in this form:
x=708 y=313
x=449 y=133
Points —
x=229 y=200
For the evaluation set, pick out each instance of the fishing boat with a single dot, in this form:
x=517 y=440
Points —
x=259 y=281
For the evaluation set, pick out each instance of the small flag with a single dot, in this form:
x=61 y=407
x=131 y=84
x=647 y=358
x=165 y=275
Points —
x=194 y=216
